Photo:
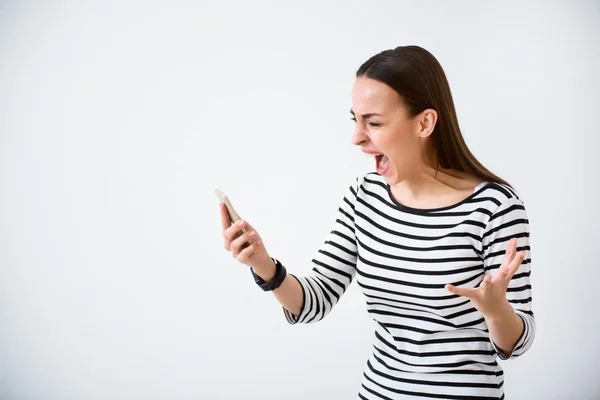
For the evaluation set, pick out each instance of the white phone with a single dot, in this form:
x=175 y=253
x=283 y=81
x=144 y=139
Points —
x=225 y=200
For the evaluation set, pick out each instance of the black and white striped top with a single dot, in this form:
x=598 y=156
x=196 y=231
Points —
x=428 y=342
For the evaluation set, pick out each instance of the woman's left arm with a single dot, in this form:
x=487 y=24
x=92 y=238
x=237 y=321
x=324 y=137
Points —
x=504 y=295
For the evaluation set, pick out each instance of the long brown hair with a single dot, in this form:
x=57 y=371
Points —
x=417 y=76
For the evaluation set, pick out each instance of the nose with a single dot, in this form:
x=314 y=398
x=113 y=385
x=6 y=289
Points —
x=359 y=137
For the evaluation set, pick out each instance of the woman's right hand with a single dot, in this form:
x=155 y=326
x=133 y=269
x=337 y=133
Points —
x=246 y=247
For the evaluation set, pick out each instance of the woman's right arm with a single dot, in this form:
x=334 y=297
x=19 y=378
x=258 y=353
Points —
x=311 y=297
x=289 y=294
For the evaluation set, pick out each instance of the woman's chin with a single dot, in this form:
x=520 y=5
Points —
x=391 y=177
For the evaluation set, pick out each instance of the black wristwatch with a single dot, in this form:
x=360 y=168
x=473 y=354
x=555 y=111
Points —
x=274 y=283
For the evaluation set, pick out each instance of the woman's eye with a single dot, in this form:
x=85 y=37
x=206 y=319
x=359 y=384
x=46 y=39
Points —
x=373 y=124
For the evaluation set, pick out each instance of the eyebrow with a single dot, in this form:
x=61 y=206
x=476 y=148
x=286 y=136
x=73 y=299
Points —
x=368 y=115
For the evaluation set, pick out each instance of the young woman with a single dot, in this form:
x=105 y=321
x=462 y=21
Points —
x=438 y=244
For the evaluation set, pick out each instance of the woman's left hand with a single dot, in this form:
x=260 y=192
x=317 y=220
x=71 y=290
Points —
x=490 y=297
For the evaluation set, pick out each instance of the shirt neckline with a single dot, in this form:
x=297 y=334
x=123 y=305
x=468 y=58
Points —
x=479 y=188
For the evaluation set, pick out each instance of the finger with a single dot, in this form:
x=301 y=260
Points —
x=507 y=270
x=225 y=218
x=247 y=226
x=512 y=245
x=246 y=254
x=504 y=269
x=486 y=282
x=510 y=252
x=466 y=292
x=232 y=233
x=502 y=273
x=515 y=265
x=234 y=230
x=243 y=242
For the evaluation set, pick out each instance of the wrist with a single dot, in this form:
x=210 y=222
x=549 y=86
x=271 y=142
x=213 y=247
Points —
x=270 y=283
x=504 y=312
x=266 y=272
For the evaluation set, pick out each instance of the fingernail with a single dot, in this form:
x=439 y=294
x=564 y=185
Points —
x=253 y=233
x=241 y=223
x=259 y=242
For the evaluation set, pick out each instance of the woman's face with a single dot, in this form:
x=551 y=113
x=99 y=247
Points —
x=384 y=126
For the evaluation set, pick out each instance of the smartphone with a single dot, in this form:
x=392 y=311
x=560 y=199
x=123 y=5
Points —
x=232 y=214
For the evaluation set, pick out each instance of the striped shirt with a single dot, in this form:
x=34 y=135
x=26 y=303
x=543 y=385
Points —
x=428 y=342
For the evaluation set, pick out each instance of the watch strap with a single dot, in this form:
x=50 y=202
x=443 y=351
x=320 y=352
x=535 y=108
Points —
x=280 y=274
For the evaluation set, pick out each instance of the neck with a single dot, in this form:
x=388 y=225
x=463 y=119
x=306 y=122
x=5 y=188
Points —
x=426 y=181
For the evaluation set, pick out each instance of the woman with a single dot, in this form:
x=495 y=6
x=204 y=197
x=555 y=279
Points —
x=438 y=244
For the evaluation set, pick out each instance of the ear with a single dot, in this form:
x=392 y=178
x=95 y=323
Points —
x=427 y=120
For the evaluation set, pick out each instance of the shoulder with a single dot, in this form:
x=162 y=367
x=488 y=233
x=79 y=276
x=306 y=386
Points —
x=371 y=180
x=365 y=181
x=365 y=186
x=500 y=194
x=508 y=206
x=369 y=185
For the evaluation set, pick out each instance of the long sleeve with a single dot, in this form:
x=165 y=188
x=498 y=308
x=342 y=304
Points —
x=510 y=221
x=333 y=267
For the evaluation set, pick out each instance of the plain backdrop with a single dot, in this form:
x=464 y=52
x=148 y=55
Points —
x=119 y=119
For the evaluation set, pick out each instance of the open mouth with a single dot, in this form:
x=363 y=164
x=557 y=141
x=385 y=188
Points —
x=382 y=163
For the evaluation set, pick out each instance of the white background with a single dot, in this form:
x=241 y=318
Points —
x=119 y=119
